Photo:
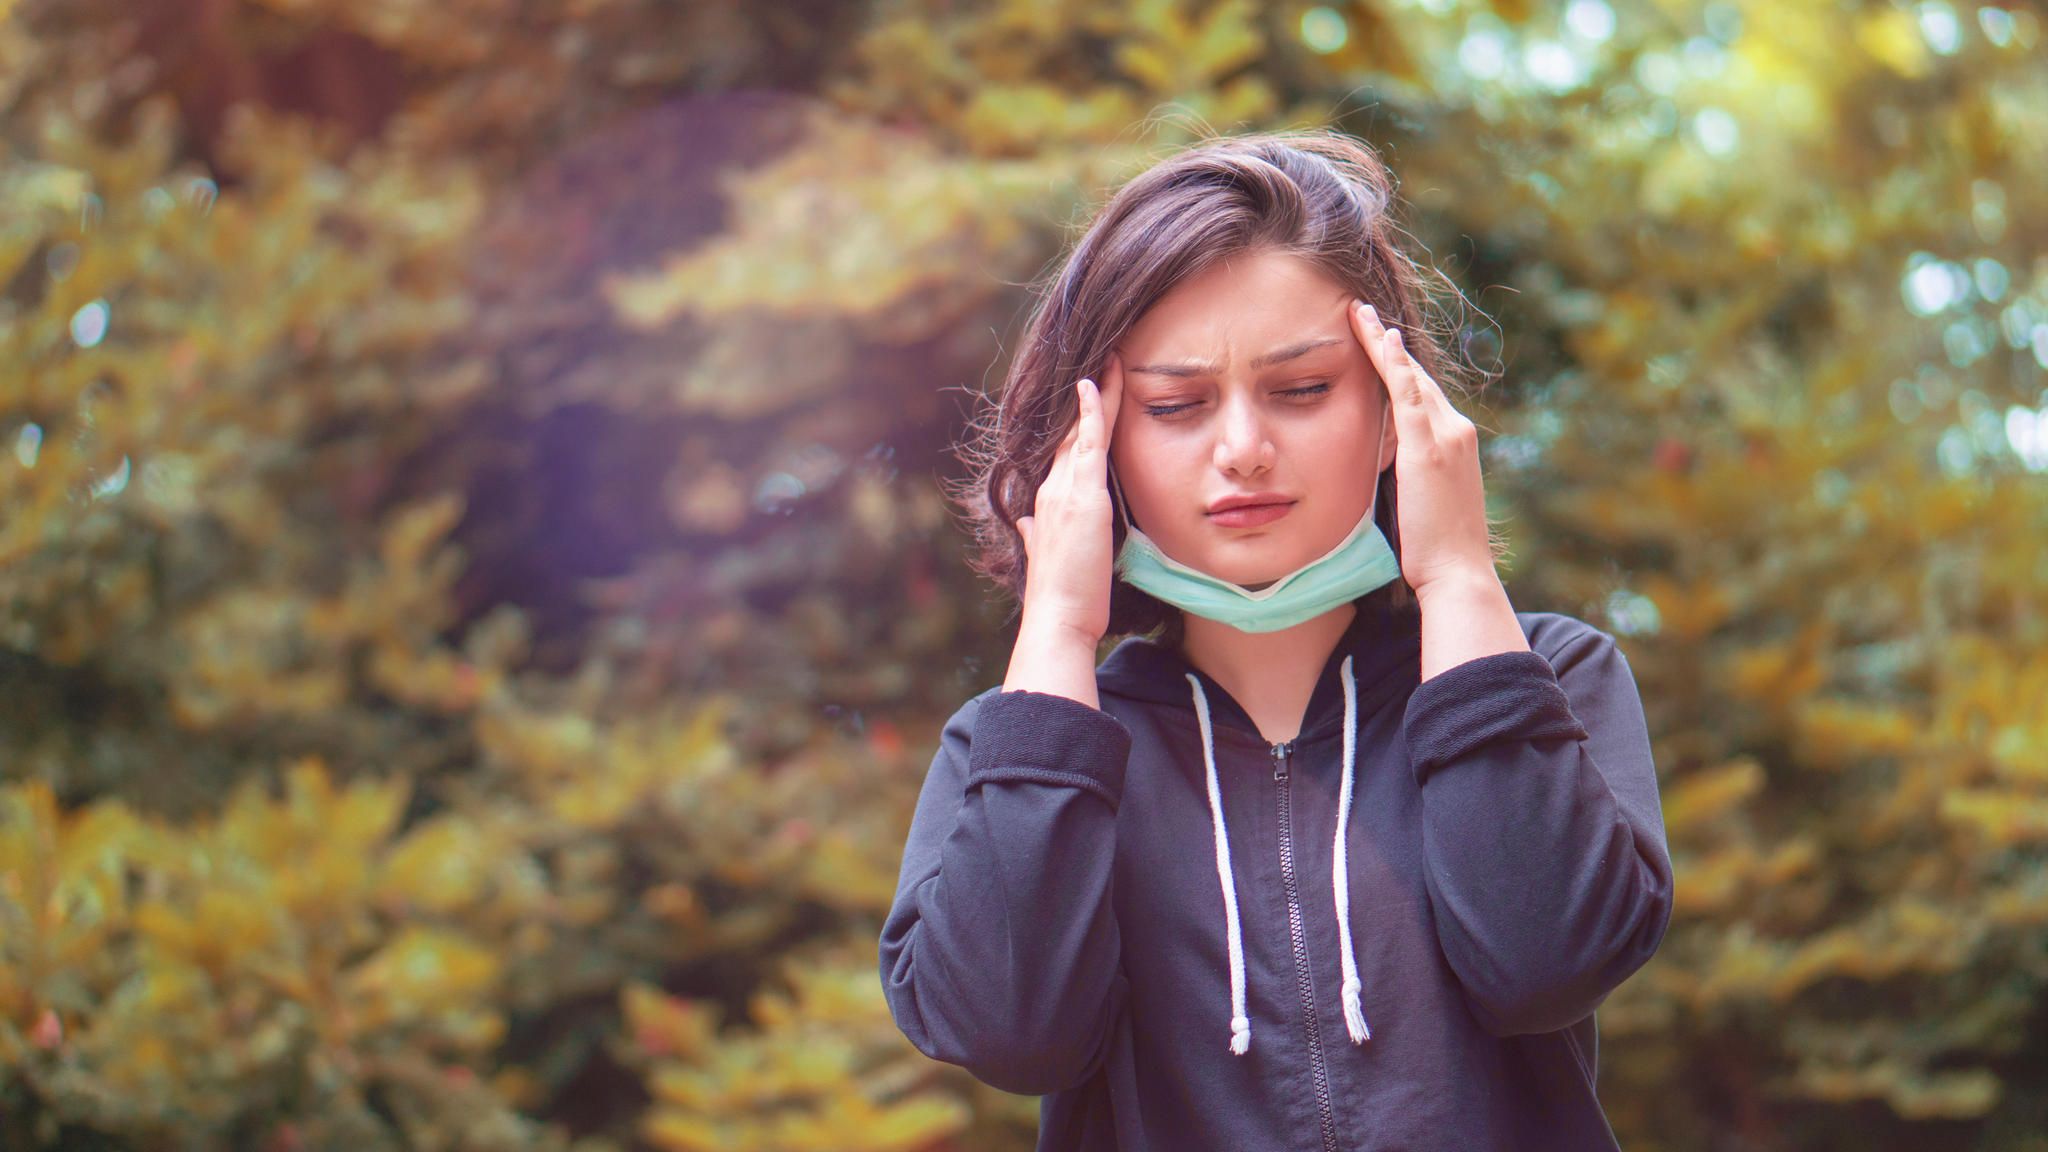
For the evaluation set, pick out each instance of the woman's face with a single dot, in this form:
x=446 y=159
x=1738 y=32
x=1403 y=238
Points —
x=1246 y=380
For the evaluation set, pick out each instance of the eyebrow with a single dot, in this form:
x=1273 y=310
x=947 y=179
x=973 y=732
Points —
x=1191 y=369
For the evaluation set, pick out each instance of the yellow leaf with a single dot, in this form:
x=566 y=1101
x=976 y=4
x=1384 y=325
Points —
x=420 y=972
x=1512 y=11
x=2002 y=816
x=1892 y=37
x=663 y=1025
x=918 y=1122
x=1706 y=794
x=1146 y=64
x=681 y=1132
x=1689 y=611
x=1836 y=733
x=439 y=866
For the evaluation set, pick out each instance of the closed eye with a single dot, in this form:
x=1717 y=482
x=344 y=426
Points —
x=1170 y=409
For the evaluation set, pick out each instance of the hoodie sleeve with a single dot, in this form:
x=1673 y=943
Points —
x=1001 y=952
x=1543 y=838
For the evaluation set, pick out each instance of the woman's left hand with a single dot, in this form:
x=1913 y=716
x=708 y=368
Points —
x=1442 y=512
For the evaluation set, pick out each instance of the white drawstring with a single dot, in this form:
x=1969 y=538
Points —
x=1340 y=872
x=1240 y=1023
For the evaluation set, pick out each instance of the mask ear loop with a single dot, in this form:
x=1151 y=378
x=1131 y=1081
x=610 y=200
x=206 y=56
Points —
x=1392 y=531
x=1116 y=496
x=1379 y=452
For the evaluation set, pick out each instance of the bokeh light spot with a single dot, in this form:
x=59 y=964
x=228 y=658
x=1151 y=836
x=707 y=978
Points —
x=1716 y=131
x=113 y=484
x=1590 y=20
x=1992 y=279
x=89 y=324
x=1324 y=30
x=1553 y=65
x=1633 y=614
x=1932 y=285
x=1483 y=53
x=1723 y=21
x=1997 y=25
x=28 y=444
x=2026 y=431
x=1939 y=27
x=61 y=262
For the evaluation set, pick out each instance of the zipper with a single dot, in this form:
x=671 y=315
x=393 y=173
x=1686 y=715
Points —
x=1321 y=1075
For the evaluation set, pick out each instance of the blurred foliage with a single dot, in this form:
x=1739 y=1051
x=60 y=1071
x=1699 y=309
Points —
x=820 y=1071
x=475 y=607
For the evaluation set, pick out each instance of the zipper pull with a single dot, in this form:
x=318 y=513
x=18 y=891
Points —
x=1281 y=752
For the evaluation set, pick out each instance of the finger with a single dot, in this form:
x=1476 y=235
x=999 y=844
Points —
x=1074 y=428
x=1091 y=466
x=1404 y=394
x=1432 y=392
x=1381 y=347
x=1080 y=407
x=1077 y=438
x=1088 y=423
x=1055 y=472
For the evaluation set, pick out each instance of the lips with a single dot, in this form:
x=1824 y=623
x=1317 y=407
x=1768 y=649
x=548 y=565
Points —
x=1247 y=499
x=1251 y=515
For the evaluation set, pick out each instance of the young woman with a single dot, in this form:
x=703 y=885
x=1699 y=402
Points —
x=1336 y=849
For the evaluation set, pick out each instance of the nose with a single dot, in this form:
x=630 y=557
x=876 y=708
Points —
x=1242 y=446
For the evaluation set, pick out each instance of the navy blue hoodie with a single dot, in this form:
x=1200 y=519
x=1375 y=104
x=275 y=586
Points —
x=1138 y=912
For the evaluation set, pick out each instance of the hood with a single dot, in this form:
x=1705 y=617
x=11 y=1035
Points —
x=1377 y=656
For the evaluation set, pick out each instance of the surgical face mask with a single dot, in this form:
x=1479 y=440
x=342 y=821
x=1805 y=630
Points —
x=1360 y=563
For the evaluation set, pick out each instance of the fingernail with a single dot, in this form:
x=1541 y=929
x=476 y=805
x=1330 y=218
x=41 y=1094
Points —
x=1372 y=313
x=1395 y=333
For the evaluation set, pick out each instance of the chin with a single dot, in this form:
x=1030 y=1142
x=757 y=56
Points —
x=1256 y=574
x=1251 y=580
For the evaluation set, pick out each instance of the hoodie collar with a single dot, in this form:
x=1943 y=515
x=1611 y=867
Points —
x=1383 y=643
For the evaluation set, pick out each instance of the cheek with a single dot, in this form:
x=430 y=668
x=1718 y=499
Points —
x=1150 y=474
x=1339 y=454
x=1348 y=430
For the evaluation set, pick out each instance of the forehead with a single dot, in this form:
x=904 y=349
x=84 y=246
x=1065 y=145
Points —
x=1238 y=308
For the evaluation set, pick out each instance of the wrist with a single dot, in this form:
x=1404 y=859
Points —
x=1461 y=583
x=1053 y=657
x=1466 y=616
x=1055 y=629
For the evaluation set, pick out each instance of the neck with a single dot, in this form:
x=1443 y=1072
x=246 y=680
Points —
x=1267 y=667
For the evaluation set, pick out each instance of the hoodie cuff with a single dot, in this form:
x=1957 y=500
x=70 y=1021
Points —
x=1508 y=696
x=1045 y=738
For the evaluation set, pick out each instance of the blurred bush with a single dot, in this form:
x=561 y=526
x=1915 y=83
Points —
x=475 y=607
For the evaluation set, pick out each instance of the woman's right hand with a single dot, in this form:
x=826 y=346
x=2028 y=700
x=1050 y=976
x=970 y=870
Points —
x=1068 y=568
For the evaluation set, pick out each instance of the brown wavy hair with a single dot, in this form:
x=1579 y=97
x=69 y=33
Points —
x=1315 y=193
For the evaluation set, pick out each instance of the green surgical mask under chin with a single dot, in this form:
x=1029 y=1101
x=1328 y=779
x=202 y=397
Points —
x=1362 y=562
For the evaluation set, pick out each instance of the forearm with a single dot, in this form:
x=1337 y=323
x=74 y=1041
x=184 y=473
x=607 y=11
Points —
x=1465 y=618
